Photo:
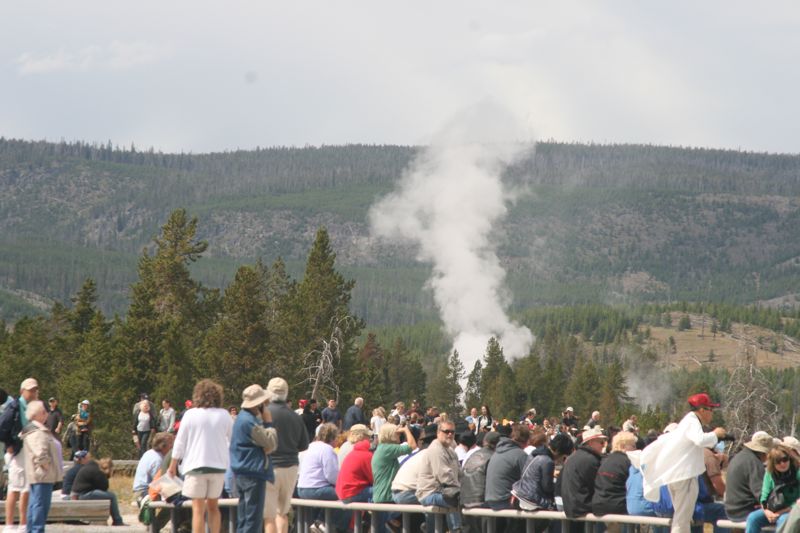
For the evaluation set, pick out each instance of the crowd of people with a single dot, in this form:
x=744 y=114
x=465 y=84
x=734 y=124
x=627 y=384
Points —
x=265 y=453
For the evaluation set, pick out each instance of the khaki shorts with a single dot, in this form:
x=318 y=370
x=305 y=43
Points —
x=279 y=494
x=16 y=474
x=202 y=486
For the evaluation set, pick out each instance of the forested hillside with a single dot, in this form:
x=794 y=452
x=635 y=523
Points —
x=598 y=224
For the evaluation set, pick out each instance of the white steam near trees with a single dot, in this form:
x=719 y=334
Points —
x=448 y=204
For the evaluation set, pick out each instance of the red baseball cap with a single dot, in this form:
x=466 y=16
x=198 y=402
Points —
x=701 y=400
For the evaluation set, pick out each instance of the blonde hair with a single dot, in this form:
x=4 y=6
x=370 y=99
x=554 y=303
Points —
x=106 y=465
x=357 y=435
x=386 y=435
x=327 y=433
x=379 y=411
x=623 y=441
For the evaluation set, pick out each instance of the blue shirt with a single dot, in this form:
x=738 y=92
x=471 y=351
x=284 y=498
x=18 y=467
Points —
x=146 y=470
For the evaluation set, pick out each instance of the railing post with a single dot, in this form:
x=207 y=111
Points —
x=491 y=525
x=529 y=526
x=232 y=518
x=173 y=519
x=329 y=526
x=358 y=527
x=406 y=522
x=438 y=520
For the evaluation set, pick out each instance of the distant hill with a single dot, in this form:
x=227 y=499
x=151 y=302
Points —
x=600 y=223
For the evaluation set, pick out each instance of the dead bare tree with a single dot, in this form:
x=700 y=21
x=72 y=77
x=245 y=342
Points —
x=748 y=405
x=320 y=363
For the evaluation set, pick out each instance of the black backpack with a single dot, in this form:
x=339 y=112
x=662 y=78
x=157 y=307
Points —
x=10 y=426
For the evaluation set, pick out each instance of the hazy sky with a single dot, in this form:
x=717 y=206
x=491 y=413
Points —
x=205 y=76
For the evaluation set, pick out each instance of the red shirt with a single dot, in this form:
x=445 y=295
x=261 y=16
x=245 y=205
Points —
x=356 y=472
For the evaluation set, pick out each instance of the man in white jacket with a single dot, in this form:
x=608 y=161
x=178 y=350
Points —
x=676 y=459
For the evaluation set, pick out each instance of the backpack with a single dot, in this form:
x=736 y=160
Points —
x=665 y=508
x=10 y=426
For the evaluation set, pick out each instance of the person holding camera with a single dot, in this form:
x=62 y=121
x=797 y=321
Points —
x=252 y=440
x=676 y=460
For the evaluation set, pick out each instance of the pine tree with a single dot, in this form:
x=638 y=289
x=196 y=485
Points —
x=372 y=376
x=472 y=396
x=583 y=385
x=445 y=389
x=406 y=377
x=84 y=310
x=235 y=348
x=497 y=382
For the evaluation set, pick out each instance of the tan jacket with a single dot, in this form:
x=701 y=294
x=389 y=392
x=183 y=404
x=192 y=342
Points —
x=439 y=469
x=42 y=462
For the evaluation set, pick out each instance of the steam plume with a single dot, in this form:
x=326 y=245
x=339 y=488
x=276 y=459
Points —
x=447 y=204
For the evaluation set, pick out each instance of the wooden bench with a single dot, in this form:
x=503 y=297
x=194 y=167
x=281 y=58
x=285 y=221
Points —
x=90 y=511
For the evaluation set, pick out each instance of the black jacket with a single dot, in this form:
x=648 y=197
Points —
x=577 y=481
x=292 y=435
x=609 y=485
x=90 y=478
x=473 y=479
x=505 y=468
x=353 y=416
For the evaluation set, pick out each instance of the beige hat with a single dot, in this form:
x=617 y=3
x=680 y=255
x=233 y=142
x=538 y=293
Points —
x=278 y=386
x=361 y=428
x=760 y=442
x=593 y=433
x=791 y=442
x=29 y=384
x=254 y=396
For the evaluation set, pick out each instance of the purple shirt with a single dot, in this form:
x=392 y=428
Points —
x=319 y=466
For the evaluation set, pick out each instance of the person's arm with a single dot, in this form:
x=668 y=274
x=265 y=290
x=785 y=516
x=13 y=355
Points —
x=40 y=452
x=718 y=483
x=265 y=436
x=410 y=440
x=704 y=440
x=762 y=492
x=330 y=467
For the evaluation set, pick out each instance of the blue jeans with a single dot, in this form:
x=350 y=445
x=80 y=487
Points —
x=757 y=519
x=436 y=499
x=116 y=518
x=362 y=497
x=38 y=506
x=712 y=512
x=250 y=511
x=328 y=493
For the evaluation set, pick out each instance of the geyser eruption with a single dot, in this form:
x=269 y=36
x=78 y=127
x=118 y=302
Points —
x=447 y=204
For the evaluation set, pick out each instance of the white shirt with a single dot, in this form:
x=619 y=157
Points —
x=406 y=477
x=675 y=456
x=204 y=439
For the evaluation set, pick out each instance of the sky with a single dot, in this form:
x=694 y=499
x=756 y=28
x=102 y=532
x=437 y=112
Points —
x=210 y=76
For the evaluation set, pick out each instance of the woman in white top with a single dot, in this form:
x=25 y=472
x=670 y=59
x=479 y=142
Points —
x=145 y=426
x=201 y=446
x=378 y=419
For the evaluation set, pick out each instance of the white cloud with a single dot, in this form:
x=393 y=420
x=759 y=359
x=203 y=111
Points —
x=116 y=55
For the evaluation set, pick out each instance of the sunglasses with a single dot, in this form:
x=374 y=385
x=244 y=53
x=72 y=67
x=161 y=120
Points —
x=448 y=431
x=783 y=459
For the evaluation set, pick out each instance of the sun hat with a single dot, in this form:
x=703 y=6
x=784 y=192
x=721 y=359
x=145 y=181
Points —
x=761 y=442
x=593 y=433
x=278 y=387
x=29 y=384
x=253 y=396
x=791 y=442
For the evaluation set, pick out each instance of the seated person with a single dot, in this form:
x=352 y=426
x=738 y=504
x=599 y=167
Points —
x=746 y=476
x=80 y=459
x=779 y=491
x=150 y=463
x=91 y=483
x=609 y=485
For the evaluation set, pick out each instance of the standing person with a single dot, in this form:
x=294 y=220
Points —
x=166 y=416
x=631 y=425
x=202 y=448
x=378 y=419
x=594 y=420
x=42 y=465
x=91 y=483
x=311 y=418
x=252 y=441
x=292 y=439
x=55 y=418
x=14 y=418
x=331 y=415
x=569 y=419
x=676 y=460
x=484 y=422
x=144 y=426
x=70 y=437
x=85 y=425
x=354 y=414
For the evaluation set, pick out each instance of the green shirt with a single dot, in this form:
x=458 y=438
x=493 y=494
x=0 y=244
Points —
x=790 y=493
x=384 y=468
